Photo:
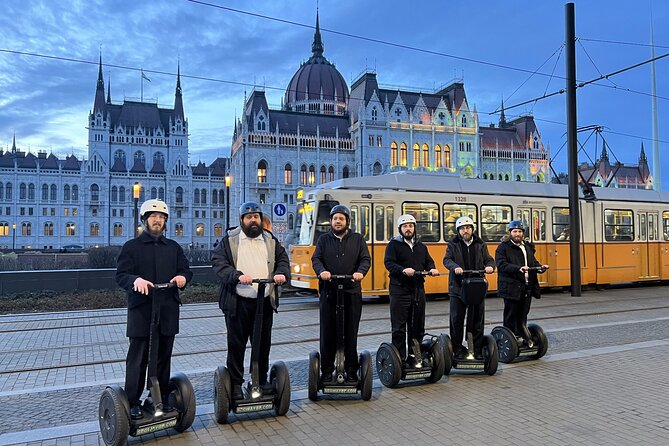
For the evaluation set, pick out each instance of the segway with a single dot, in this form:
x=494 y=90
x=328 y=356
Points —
x=426 y=357
x=255 y=399
x=474 y=289
x=338 y=385
x=114 y=409
x=532 y=345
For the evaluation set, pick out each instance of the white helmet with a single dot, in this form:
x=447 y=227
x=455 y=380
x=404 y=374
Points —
x=150 y=206
x=406 y=218
x=463 y=221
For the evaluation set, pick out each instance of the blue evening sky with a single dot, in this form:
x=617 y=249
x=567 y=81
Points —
x=45 y=101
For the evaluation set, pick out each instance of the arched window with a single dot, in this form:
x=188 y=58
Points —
x=437 y=156
x=501 y=177
x=303 y=174
x=139 y=156
x=218 y=230
x=393 y=154
x=69 y=229
x=262 y=171
x=66 y=192
x=403 y=154
x=196 y=196
x=95 y=229
x=48 y=229
x=203 y=196
x=214 y=197
x=154 y=193
x=416 y=155
x=45 y=192
x=519 y=177
x=26 y=228
x=344 y=172
x=161 y=193
x=312 y=174
x=464 y=121
x=75 y=193
x=2 y=191
x=54 y=192
x=323 y=175
x=121 y=194
x=485 y=175
x=506 y=177
x=95 y=192
x=119 y=155
x=426 y=155
x=179 y=230
x=23 y=191
x=179 y=192
x=8 y=191
x=331 y=174
x=4 y=229
x=199 y=229
x=158 y=157
x=118 y=230
x=447 y=156
x=31 y=191
x=375 y=113
x=288 y=174
x=377 y=168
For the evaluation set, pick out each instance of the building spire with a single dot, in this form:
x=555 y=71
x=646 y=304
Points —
x=109 y=90
x=99 y=103
x=14 y=143
x=502 y=117
x=178 y=101
x=317 y=46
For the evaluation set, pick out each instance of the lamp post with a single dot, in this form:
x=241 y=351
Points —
x=14 y=237
x=135 y=194
x=228 y=181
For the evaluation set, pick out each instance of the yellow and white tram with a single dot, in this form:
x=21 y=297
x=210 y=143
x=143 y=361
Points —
x=624 y=232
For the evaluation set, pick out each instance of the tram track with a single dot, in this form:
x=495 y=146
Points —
x=362 y=334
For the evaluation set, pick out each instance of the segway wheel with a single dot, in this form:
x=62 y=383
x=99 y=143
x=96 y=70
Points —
x=184 y=399
x=436 y=352
x=388 y=365
x=447 y=347
x=366 y=375
x=314 y=368
x=539 y=337
x=222 y=394
x=280 y=379
x=489 y=355
x=114 y=417
x=507 y=345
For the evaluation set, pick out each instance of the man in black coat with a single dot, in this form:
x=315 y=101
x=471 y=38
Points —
x=513 y=257
x=149 y=259
x=340 y=251
x=405 y=255
x=465 y=251
x=248 y=252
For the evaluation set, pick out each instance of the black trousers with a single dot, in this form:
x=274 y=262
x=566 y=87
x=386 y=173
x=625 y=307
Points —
x=240 y=331
x=352 y=313
x=402 y=316
x=136 y=363
x=458 y=311
x=515 y=314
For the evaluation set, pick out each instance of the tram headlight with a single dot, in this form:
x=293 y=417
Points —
x=296 y=269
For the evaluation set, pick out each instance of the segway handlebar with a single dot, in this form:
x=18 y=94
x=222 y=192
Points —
x=539 y=269
x=262 y=280
x=473 y=272
x=273 y=299
x=162 y=286
x=341 y=276
x=423 y=273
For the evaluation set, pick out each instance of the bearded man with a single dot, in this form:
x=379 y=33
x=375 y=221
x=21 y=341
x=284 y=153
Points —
x=248 y=252
x=465 y=251
x=406 y=254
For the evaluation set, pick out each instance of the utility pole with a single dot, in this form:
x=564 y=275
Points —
x=572 y=143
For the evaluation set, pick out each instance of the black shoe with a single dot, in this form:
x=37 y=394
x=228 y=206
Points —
x=267 y=388
x=136 y=413
x=326 y=377
x=167 y=407
x=237 y=393
x=461 y=353
x=478 y=356
x=352 y=376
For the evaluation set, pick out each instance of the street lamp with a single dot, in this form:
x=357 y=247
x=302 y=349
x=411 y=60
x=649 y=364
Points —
x=135 y=194
x=14 y=237
x=228 y=181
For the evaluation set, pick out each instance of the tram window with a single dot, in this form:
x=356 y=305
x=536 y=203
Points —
x=390 y=221
x=379 y=224
x=652 y=227
x=538 y=225
x=354 y=218
x=427 y=219
x=494 y=220
x=323 y=218
x=642 y=234
x=560 y=224
x=364 y=222
x=452 y=212
x=618 y=225
x=665 y=225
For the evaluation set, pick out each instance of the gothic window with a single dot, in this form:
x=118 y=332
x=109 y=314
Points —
x=291 y=221
x=261 y=122
x=75 y=193
x=31 y=191
x=66 y=192
x=69 y=229
x=464 y=121
x=119 y=155
x=95 y=192
x=26 y=228
x=199 y=230
x=161 y=193
x=437 y=156
x=2 y=191
x=447 y=156
x=331 y=174
x=48 y=229
x=154 y=193
x=426 y=155
x=485 y=175
x=158 y=157
x=54 y=192
x=179 y=195
x=345 y=172
x=416 y=155
x=203 y=196
x=403 y=154
x=377 y=169
x=393 y=153
x=323 y=175
x=196 y=196
x=95 y=230
x=121 y=194
x=118 y=230
x=139 y=155
x=214 y=197
x=262 y=171
x=398 y=113
x=8 y=191
x=45 y=192
x=312 y=174
x=375 y=113
x=22 y=191
x=288 y=174
x=303 y=174
x=442 y=116
x=179 y=230
x=218 y=230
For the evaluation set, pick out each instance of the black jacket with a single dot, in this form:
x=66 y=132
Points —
x=224 y=260
x=158 y=261
x=511 y=281
x=454 y=258
x=399 y=255
x=347 y=255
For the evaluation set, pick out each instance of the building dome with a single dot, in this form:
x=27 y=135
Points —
x=317 y=86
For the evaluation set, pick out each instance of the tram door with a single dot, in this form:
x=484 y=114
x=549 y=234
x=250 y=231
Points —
x=647 y=250
x=376 y=222
x=534 y=219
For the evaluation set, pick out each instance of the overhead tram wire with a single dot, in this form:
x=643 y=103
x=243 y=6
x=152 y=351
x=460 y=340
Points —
x=251 y=85
x=537 y=70
x=623 y=43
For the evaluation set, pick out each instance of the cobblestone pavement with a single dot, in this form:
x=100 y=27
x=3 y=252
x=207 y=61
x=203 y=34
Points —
x=602 y=382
